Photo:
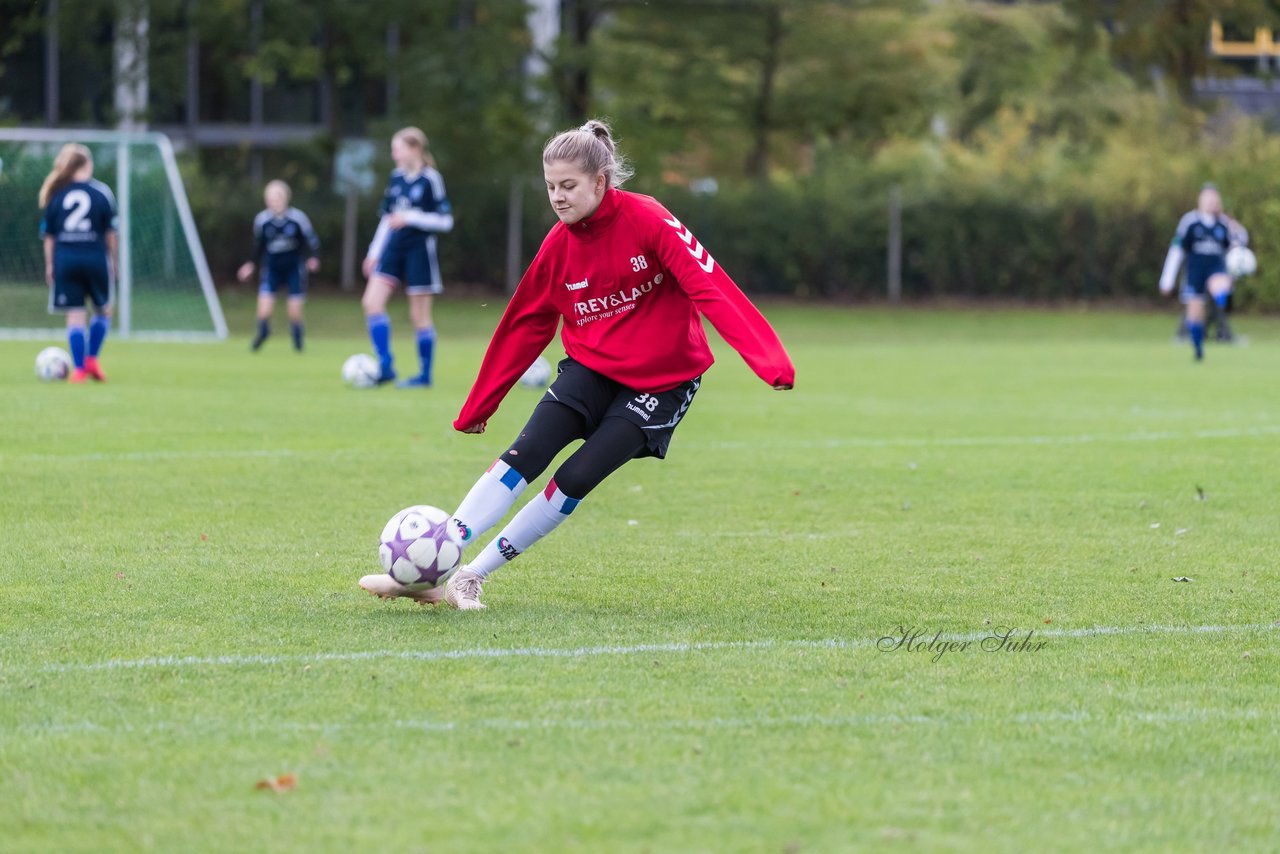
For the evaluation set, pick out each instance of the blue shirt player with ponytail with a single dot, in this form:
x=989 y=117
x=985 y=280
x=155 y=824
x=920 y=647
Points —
x=80 y=243
x=414 y=210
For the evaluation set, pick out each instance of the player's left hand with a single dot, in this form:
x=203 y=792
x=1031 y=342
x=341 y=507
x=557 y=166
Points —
x=783 y=387
x=395 y=222
x=313 y=264
x=474 y=428
x=48 y=274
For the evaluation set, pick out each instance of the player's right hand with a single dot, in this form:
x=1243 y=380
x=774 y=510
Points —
x=48 y=274
x=474 y=428
x=368 y=265
x=245 y=271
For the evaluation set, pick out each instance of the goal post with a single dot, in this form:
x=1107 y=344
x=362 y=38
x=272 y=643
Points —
x=164 y=289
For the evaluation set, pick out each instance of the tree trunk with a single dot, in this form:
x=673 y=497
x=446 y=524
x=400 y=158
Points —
x=580 y=17
x=762 y=118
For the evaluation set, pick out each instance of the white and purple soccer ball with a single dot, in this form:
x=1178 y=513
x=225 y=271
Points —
x=53 y=364
x=419 y=547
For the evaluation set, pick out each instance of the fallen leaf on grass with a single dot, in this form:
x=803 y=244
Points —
x=204 y=537
x=283 y=783
x=1182 y=578
x=120 y=575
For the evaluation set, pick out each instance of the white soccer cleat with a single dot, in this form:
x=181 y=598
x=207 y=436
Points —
x=463 y=590
x=385 y=587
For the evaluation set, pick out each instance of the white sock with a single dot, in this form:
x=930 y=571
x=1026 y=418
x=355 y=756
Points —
x=488 y=501
x=539 y=517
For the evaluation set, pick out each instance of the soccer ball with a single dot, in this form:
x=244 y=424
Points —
x=1241 y=262
x=360 y=371
x=52 y=364
x=419 y=547
x=537 y=375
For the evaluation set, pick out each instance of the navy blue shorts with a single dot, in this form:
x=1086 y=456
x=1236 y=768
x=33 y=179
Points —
x=412 y=264
x=80 y=276
x=596 y=397
x=1195 y=285
x=276 y=279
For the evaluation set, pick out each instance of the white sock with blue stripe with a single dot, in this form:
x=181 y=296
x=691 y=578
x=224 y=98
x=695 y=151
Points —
x=488 y=501
x=542 y=515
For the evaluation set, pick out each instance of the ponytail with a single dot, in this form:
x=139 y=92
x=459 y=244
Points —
x=415 y=138
x=592 y=149
x=70 y=160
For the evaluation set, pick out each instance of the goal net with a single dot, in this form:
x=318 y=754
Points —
x=163 y=286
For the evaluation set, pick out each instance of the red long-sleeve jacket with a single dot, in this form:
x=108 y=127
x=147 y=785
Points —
x=629 y=282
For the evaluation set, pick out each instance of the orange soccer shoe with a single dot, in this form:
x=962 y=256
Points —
x=93 y=369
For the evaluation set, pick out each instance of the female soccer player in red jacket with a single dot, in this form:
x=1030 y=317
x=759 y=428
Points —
x=627 y=282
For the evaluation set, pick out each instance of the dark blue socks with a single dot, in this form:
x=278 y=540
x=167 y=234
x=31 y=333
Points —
x=1197 y=337
x=426 y=351
x=380 y=335
x=75 y=339
x=264 y=330
x=98 y=329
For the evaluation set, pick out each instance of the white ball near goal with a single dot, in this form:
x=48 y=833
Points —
x=360 y=371
x=53 y=364
x=1241 y=262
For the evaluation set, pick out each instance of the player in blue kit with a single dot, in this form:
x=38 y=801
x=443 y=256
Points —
x=1202 y=239
x=79 y=230
x=287 y=246
x=414 y=210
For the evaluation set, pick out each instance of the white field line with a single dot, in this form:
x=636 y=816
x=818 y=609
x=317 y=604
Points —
x=681 y=648
x=844 y=442
x=998 y=441
x=162 y=456
x=275 y=726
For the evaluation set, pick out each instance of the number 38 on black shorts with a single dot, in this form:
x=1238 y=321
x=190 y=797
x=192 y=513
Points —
x=596 y=397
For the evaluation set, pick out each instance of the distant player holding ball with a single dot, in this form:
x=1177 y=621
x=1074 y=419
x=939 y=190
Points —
x=630 y=284
x=1203 y=239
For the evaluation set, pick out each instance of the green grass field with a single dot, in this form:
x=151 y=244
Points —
x=692 y=663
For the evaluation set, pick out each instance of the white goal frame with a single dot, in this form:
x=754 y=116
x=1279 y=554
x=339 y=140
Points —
x=124 y=275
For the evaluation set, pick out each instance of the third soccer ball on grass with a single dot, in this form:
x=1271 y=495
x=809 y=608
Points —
x=360 y=371
x=537 y=375
x=419 y=547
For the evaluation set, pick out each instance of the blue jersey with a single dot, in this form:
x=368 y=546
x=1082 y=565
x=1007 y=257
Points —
x=421 y=199
x=79 y=217
x=1206 y=238
x=284 y=241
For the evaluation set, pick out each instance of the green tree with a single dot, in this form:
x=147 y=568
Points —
x=755 y=85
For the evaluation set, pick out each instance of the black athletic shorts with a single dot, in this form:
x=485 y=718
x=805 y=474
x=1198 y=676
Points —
x=596 y=397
